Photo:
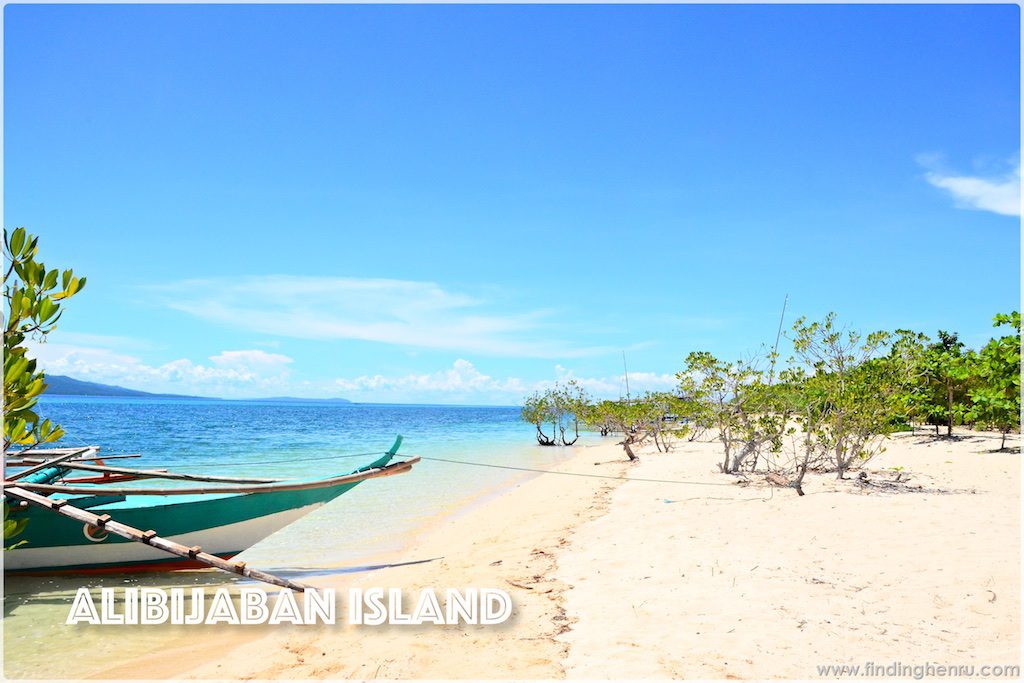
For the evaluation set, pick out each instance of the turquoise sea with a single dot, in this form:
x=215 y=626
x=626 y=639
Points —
x=372 y=523
x=314 y=439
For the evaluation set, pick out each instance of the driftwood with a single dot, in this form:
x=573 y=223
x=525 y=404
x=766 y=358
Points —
x=776 y=479
x=149 y=538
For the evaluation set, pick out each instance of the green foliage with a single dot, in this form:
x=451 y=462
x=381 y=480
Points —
x=853 y=393
x=829 y=408
x=33 y=296
x=657 y=407
x=621 y=416
x=12 y=527
x=725 y=396
x=996 y=396
x=601 y=416
x=560 y=407
x=908 y=349
x=942 y=395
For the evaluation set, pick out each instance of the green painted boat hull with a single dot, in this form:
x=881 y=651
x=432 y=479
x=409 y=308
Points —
x=222 y=524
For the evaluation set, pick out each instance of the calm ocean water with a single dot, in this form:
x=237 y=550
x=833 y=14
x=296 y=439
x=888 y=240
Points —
x=296 y=440
x=374 y=521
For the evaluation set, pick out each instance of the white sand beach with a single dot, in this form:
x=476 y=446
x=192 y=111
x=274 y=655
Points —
x=711 y=579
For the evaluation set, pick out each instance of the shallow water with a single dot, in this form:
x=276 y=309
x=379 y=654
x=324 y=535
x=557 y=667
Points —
x=377 y=518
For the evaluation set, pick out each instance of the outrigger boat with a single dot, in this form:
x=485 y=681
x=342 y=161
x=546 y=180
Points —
x=203 y=522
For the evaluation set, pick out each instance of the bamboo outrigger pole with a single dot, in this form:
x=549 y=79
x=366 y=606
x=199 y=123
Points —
x=387 y=470
x=164 y=474
x=49 y=463
x=149 y=538
x=17 y=459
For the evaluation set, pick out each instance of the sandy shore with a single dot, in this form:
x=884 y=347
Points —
x=746 y=582
x=510 y=541
x=688 y=580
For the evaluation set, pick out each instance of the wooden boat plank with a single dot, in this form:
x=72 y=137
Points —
x=29 y=460
x=48 y=451
x=387 y=470
x=224 y=520
x=47 y=463
x=164 y=474
x=133 y=534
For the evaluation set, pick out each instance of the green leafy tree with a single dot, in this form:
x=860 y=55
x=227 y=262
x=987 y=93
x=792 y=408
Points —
x=695 y=412
x=561 y=407
x=852 y=395
x=996 y=399
x=538 y=410
x=574 y=402
x=725 y=396
x=908 y=352
x=797 y=403
x=656 y=409
x=946 y=370
x=599 y=416
x=626 y=416
x=33 y=297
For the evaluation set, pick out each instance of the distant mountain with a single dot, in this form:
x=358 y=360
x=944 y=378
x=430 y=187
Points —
x=59 y=385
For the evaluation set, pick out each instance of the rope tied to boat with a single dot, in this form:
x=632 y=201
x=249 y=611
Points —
x=575 y=474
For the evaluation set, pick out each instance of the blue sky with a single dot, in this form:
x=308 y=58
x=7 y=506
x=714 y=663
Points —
x=459 y=204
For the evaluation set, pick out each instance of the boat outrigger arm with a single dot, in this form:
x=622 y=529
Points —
x=236 y=507
x=148 y=537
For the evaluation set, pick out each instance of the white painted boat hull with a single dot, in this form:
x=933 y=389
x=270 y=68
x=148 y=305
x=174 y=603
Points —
x=224 y=541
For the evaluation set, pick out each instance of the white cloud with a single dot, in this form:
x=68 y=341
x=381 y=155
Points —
x=461 y=378
x=463 y=381
x=400 y=312
x=998 y=194
x=229 y=373
x=614 y=386
x=253 y=358
x=252 y=373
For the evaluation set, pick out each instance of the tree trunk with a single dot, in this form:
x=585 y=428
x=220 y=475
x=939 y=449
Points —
x=949 y=409
x=841 y=465
x=798 y=483
x=543 y=439
x=737 y=462
x=629 y=451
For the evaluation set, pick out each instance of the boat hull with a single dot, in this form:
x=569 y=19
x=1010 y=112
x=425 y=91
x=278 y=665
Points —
x=98 y=557
x=222 y=524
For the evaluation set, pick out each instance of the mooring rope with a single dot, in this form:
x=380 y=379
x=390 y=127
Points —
x=292 y=461
x=575 y=474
